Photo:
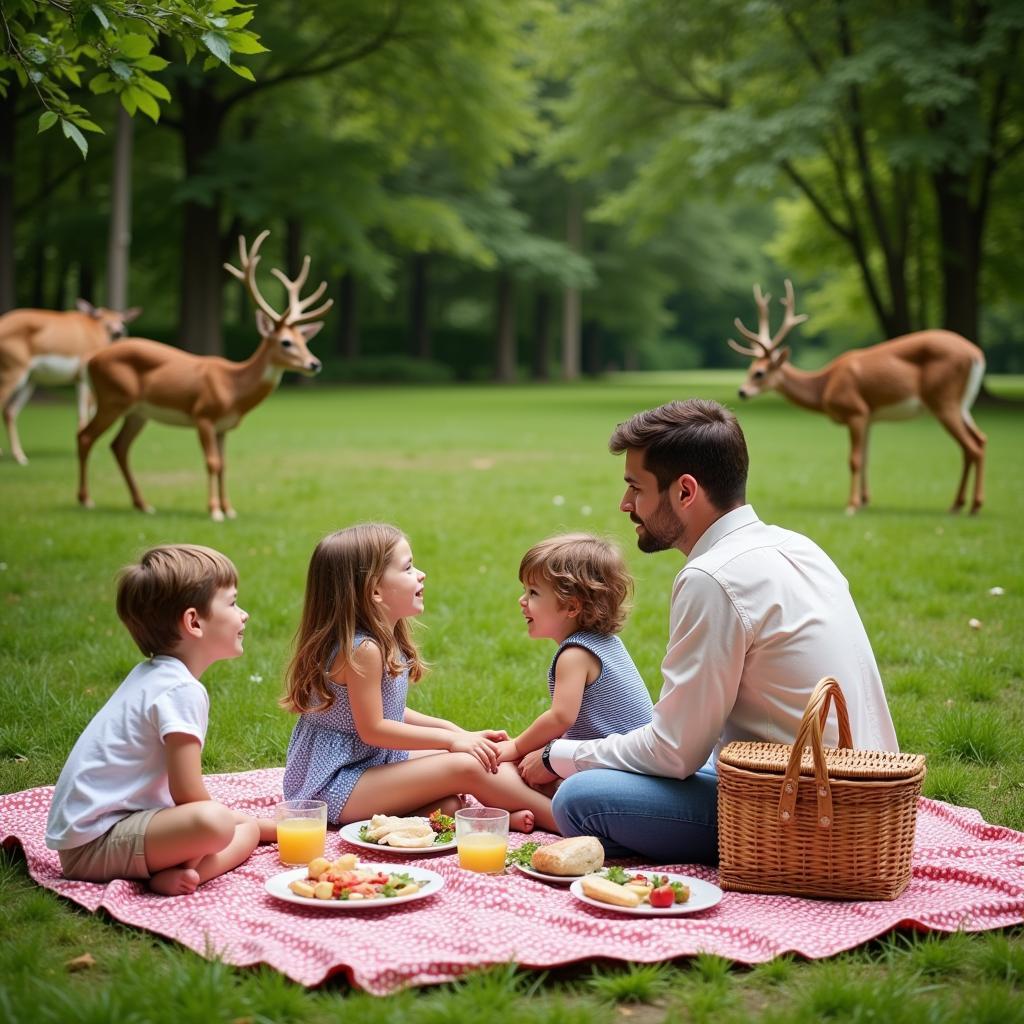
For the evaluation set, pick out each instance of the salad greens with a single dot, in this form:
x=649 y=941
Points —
x=522 y=854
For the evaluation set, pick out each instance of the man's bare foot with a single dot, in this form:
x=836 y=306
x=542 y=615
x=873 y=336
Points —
x=521 y=821
x=175 y=881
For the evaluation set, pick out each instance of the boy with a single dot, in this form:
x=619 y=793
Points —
x=130 y=802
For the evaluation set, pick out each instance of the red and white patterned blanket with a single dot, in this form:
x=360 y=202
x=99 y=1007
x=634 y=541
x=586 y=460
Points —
x=968 y=875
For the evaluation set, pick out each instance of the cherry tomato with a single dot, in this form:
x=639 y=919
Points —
x=663 y=896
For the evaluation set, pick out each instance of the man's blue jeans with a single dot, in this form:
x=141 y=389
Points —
x=665 y=821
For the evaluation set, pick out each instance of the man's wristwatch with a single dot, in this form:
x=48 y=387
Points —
x=545 y=757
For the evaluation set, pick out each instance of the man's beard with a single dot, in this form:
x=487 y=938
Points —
x=661 y=531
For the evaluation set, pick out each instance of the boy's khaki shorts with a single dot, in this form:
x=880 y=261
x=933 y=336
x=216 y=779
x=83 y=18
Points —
x=118 y=853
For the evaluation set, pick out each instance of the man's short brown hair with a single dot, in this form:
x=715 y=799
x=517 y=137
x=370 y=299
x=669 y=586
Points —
x=153 y=594
x=588 y=569
x=697 y=436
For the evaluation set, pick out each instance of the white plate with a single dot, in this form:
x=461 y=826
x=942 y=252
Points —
x=702 y=896
x=430 y=880
x=542 y=876
x=350 y=833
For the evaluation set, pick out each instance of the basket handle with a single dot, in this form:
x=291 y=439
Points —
x=824 y=694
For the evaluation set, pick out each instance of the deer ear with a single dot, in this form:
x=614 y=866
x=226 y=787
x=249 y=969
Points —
x=778 y=358
x=310 y=331
x=264 y=324
x=130 y=314
x=84 y=306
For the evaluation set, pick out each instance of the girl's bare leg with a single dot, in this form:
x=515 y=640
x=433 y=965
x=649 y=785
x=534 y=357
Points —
x=192 y=843
x=409 y=785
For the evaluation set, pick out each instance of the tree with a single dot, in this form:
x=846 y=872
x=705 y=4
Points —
x=893 y=123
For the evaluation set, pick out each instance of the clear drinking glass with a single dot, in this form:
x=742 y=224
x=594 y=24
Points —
x=301 y=830
x=481 y=836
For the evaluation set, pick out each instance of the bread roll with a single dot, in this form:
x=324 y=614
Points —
x=601 y=889
x=574 y=856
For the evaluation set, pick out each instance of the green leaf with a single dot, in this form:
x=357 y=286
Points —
x=240 y=20
x=210 y=63
x=151 y=62
x=72 y=133
x=218 y=46
x=155 y=88
x=243 y=72
x=128 y=101
x=86 y=125
x=245 y=42
x=134 y=45
x=189 y=46
x=101 y=84
x=101 y=16
x=122 y=70
x=47 y=120
x=147 y=104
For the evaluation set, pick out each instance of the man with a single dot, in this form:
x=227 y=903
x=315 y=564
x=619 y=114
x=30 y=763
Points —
x=758 y=615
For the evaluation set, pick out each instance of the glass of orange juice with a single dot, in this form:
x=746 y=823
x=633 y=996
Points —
x=481 y=836
x=301 y=830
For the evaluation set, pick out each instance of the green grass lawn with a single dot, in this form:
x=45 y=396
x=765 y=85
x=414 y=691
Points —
x=475 y=475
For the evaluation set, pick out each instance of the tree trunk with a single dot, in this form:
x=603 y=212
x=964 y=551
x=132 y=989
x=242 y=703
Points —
x=7 y=138
x=120 y=239
x=419 y=322
x=202 y=250
x=347 y=338
x=505 y=363
x=571 y=296
x=591 y=357
x=542 y=336
x=960 y=234
x=293 y=246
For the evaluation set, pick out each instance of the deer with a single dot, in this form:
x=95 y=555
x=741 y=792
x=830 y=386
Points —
x=141 y=380
x=45 y=346
x=934 y=370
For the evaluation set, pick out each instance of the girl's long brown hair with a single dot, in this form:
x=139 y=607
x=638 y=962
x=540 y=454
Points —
x=346 y=568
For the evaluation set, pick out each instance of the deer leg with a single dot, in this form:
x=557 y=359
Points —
x=858 y=427
x=87 y=437
x=130 y=429
x=86 y=405
x=225 y=504
x=12 y=407
x=865 y=496
x=214 y=466
x=972 y=443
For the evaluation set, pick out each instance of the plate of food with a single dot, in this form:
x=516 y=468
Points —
x=558 y=863
x=645 y=893
x=407 y=837
x=346 y=885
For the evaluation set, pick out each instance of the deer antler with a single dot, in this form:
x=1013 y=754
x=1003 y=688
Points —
x=247 y=275
x=763 y=343
x=790 y=320
x=297 y=312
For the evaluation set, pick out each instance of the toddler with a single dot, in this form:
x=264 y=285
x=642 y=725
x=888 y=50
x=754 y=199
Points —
x=575 y=588
x=130 y=801
x=356 y=745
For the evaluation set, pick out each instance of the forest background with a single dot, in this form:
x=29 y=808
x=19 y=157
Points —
x=512 y=189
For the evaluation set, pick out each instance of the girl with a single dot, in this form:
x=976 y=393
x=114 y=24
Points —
x=356 y=745
x=575 y=588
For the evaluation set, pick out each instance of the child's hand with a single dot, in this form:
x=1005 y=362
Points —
x=492 y=734
x=508 y=751
x=482 y=748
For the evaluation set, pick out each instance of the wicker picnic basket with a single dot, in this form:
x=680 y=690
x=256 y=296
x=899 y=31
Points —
x=805 y=821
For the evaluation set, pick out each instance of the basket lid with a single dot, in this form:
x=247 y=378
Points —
x=840 y=762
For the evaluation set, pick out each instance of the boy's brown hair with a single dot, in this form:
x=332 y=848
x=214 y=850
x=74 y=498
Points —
x=153 y=594
x=586 y=568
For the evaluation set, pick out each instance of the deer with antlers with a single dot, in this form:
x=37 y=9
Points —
x=935 y=370
x=43 y=346
x=143 y=380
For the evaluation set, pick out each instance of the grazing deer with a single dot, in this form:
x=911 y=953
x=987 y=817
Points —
x=145 y=380
x=935 y=370
x=40 y=346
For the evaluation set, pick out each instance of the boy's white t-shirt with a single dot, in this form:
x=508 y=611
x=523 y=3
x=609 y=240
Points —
x=119 y=763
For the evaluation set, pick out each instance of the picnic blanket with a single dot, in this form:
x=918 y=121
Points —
x=967 y=875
